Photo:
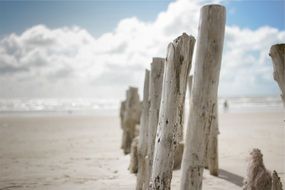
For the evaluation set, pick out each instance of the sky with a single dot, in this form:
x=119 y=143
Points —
x=96 y=49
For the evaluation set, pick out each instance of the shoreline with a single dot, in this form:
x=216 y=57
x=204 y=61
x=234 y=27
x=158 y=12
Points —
x=115 y=112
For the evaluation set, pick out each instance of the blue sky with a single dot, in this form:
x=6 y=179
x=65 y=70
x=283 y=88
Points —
x=101 y=16
x=75 y=49
x=255 y=13
x=96 y=16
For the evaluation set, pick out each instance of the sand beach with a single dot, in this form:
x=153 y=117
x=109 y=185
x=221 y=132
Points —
x=72 y=152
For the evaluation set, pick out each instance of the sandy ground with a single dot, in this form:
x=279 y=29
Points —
x=83 y=152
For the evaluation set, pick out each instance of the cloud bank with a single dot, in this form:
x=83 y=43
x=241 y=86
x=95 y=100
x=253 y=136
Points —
x=70 y=62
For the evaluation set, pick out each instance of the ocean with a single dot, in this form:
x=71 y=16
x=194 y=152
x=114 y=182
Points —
x=111 y=107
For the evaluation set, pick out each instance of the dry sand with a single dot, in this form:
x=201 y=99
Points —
x=83 y=152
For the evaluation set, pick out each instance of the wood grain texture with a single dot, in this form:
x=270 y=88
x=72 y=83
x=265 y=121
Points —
x=204 y=94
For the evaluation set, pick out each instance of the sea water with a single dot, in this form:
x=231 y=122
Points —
x=111 y=106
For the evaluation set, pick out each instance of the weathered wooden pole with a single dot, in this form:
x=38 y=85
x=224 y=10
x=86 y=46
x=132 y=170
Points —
x=122 y=113
x=212 y=158
x=156 y=78
x=180 y=147
x=143 y=134
x=131 y=117
x=190 y=82
x=178 y=155
x=177 y=66
x=125 y=135
x=211 y=152
x=276 y=182
x=204 y=94
x=133 y=167
x=277 y=53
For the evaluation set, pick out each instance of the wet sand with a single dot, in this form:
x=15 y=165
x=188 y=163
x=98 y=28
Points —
x=72 y=152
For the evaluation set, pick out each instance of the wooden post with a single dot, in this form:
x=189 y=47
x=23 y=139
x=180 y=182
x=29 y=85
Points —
x=204 y=93
x=276 y=182
x=143 y=134
x=178 y=155
x=180 y=147
x=133 y=167
x=131 y=117
x=277 y=53
x=211 y=146
x=212 y=160
x=122 y=113
x=156 y=78
x=177 y=66
x=190 y=82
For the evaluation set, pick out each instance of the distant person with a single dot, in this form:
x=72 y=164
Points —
x=226 y=106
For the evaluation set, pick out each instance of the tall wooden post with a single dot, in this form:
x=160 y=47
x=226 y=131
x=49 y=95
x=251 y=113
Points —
x=204 y=94
x=122 y=113
x=180 y=146
x=143 y=134
x=212 y=158
x=133 y=167
x=131 y=117
x=190 y=82
x=177 y=66
x=277 y=53
x=156 y=78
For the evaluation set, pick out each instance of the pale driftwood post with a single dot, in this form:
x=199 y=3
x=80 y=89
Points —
x=212 y=158
x=177 y=66
x=277 y=53
x=131 y=117
x=190 y=82
x=204 y=93
x=276 y=182
x=143 y=135
x=156 y=78
x=133 y=167
x=180 y=147
x=211 y=151
x=178 y=155
x=122 y=113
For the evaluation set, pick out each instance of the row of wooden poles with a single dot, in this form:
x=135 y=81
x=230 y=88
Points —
x=153 y=128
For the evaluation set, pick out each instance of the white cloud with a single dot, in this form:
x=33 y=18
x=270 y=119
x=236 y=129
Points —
x=247 y=67
x=70 y=62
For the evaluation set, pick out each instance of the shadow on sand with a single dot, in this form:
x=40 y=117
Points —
x=231 y=177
